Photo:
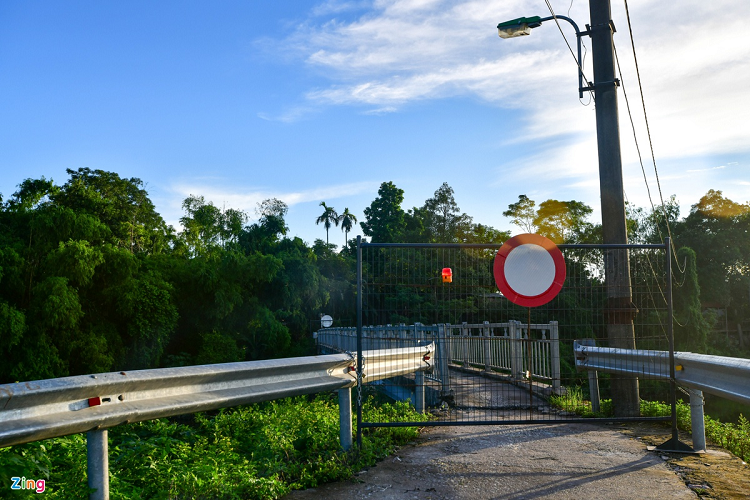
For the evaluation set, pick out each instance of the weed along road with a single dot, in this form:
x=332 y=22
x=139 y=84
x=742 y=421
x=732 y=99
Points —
x=560 y=461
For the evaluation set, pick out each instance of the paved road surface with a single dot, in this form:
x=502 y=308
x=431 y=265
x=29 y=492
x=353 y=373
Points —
x=560 y=461
x=536 y=461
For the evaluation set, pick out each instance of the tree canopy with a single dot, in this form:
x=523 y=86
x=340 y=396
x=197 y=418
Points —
x=92 y=279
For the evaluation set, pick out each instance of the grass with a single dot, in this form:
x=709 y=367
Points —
x=732 y=437
x=255 y=452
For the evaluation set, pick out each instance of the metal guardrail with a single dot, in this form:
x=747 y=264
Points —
x=42 y=409
x=722 y=376
x=31 y=411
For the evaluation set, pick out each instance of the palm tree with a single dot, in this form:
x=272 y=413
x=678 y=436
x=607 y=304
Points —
x=329 y=216
x=347 y=220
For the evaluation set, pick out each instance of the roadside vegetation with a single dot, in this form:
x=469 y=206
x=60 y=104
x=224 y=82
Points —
x=259 y=452
x=730 y=436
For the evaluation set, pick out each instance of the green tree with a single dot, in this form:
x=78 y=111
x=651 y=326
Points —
x=562 y=221
x=272 y=212
x=347 y=220
x=120 y=204
x=691 y=328
x=718 y=230
x=328 y=217
x=384 y=218
x=208 y=228
x=522 y=213
x=442 y=217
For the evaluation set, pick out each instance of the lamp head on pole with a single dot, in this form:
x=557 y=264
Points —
x=518 y=27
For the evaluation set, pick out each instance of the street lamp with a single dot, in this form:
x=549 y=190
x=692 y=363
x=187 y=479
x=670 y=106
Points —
x=523 y=25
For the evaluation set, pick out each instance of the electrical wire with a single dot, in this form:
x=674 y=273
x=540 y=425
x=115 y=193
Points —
x=650 y=142
x=578 y=63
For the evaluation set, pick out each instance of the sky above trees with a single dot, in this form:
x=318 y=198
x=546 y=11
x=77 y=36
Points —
x=305 y=102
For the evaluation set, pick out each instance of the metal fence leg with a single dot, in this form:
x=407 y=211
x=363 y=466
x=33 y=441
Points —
x=419 y=392
x=97 y=461
x=345 y=418
x=516 y=356
x=696 y=420
x=465 y=344
x=487 y=346
x=444 y=356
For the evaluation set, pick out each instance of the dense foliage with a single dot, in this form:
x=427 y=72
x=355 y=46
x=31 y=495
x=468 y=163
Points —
x=256 y=452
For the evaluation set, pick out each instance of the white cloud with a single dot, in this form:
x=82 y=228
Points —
x=693 y=57
x=246 y=199
x=397 y=52
x=707 y=169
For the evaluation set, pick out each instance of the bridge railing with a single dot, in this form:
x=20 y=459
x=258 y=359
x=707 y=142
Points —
x=42 y=409
x=496 y=347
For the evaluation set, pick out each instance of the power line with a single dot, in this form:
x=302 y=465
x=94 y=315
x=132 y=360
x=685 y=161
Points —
x=650 y=142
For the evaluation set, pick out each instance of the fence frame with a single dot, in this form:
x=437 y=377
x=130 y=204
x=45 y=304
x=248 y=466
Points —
x=671 y=445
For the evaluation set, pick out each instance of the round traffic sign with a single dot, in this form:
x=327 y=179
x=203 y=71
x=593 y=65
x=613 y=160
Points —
x=326 y=321
x=529 y=270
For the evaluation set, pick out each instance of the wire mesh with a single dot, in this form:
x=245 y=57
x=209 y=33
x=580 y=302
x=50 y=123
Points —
x=496 y=362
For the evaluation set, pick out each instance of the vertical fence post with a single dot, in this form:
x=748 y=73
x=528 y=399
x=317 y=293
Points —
x=444 y=349
x=487 y=346
x=696 y=420
x=97 y=462
x=516 y=363
x=465 y=344
x=359 y=342
x=345 y=418
x=554 y=335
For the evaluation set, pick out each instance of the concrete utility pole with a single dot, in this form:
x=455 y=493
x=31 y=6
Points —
x=620 y=309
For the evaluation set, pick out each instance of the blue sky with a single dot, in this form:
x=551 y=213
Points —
x=309 y=101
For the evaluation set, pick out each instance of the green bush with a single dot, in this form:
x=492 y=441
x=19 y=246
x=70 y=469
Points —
x=259 y=451
x=732 y=437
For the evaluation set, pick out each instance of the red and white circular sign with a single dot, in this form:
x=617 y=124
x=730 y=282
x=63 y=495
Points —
x=529 y=270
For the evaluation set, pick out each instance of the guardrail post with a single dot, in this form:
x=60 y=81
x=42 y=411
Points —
x=696 y=420
x=593 y=379
x=554 y=335
x=345 y=418
x=419 y=391
x=487 y=346
x=97 y=463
